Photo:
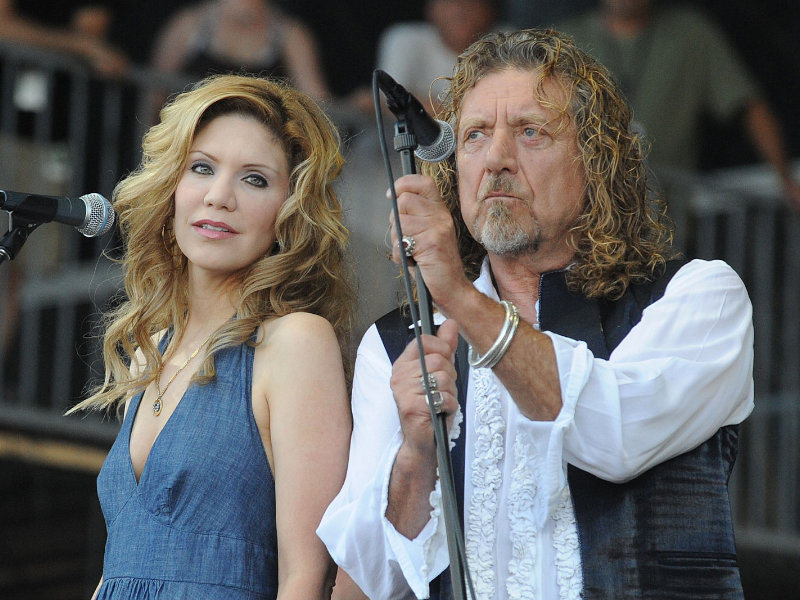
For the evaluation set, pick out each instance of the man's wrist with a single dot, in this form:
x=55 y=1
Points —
x=412 y=480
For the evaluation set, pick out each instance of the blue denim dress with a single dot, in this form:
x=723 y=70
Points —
x=200 y=523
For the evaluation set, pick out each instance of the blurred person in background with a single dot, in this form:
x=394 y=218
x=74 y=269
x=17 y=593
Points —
x=419 y=54
x=677 y=68
x=80 y=29
x=236 y=36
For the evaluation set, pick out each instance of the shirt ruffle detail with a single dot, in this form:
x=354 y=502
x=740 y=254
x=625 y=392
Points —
x=455 y=428
x=523 y=531
x=567 y=547
x=435 y=497
x=490 y=429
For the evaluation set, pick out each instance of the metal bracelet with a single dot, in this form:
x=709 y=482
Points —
x=501 y=344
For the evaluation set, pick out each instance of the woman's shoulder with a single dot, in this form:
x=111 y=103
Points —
x=295 y=322
x=296 y=331
x=295 y=348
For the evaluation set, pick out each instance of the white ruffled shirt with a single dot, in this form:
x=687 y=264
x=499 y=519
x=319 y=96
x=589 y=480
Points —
x=682 y=373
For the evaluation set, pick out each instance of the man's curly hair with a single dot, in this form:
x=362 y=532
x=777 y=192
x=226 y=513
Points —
x=622 y=235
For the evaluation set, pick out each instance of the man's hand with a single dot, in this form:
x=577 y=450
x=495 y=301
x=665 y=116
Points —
x=414 y=472
x=425 y=218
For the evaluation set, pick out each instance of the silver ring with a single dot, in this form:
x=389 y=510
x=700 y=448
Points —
x=408 y=243
x=438 y=401
x=433 y=384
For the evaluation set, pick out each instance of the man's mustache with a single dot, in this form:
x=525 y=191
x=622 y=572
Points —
x=500 y=183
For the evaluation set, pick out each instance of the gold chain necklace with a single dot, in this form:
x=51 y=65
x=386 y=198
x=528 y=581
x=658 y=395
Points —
x=158 y=404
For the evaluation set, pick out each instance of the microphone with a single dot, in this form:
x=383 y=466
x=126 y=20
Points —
x=436 y=139
x=91 y=214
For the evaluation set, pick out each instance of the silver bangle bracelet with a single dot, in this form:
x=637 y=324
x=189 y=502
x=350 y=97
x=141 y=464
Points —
x=501 y=344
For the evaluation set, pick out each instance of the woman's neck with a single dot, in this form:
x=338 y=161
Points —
x=211 y=303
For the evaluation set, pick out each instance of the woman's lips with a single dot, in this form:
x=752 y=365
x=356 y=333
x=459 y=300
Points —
x=214 y=229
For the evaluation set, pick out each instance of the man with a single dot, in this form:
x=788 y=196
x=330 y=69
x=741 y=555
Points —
x=600 y=432
x=78 y=28
x=420 y=53
x=677 y=68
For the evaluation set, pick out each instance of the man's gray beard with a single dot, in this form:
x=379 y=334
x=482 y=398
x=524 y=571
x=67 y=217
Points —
x=501 y=234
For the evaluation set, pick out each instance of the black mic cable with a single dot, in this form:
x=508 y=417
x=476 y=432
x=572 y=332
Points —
x=409 y=113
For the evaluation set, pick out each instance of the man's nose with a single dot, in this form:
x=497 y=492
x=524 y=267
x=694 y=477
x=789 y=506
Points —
x=502 y=153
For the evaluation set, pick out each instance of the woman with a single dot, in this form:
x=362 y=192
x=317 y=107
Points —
x=237 y=424
x=234 y=36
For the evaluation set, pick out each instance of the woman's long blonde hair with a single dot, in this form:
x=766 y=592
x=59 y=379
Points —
x=306 y=270
x=622 y=235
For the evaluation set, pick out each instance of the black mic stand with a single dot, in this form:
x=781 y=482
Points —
x=405 y=143
x=15 y=237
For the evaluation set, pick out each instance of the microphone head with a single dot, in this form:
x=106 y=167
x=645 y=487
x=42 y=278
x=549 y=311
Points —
x=99 y=215
x=441 y=148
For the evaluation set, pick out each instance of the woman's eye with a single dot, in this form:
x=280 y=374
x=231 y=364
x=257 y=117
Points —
x=531 y=132
x=257 y=180
x=202 y=168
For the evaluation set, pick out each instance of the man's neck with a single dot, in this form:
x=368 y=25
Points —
x=517 y=279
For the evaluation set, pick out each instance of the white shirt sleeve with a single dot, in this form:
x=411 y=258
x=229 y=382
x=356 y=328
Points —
x=359 y=537
x=680 y=374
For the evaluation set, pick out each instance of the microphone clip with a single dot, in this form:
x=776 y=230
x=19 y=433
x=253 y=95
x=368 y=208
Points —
x=432 y=140
x=19 y=230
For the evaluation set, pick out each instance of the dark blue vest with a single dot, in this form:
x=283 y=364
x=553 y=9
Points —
x=666 y=535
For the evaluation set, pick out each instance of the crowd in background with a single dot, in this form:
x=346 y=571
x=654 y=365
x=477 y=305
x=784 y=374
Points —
x=330 y=49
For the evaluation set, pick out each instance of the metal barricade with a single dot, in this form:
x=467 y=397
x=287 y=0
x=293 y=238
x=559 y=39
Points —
x=739 y=216
x=65 y=132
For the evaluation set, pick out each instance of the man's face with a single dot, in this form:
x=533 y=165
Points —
x=521 y=181
x=460 y=22
x=628 y=9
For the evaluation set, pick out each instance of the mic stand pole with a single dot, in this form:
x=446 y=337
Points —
x=405 y=143
x=14 y=238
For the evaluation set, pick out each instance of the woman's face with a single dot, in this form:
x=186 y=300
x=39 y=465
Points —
x=235 y=180
x=243 y=11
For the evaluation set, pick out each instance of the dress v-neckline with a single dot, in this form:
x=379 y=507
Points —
x=135 y=406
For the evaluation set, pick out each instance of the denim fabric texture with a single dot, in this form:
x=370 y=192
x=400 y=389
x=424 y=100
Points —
x=200 y=523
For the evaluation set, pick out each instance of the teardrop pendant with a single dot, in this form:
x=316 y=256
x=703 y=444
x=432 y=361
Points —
x=158 y=404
